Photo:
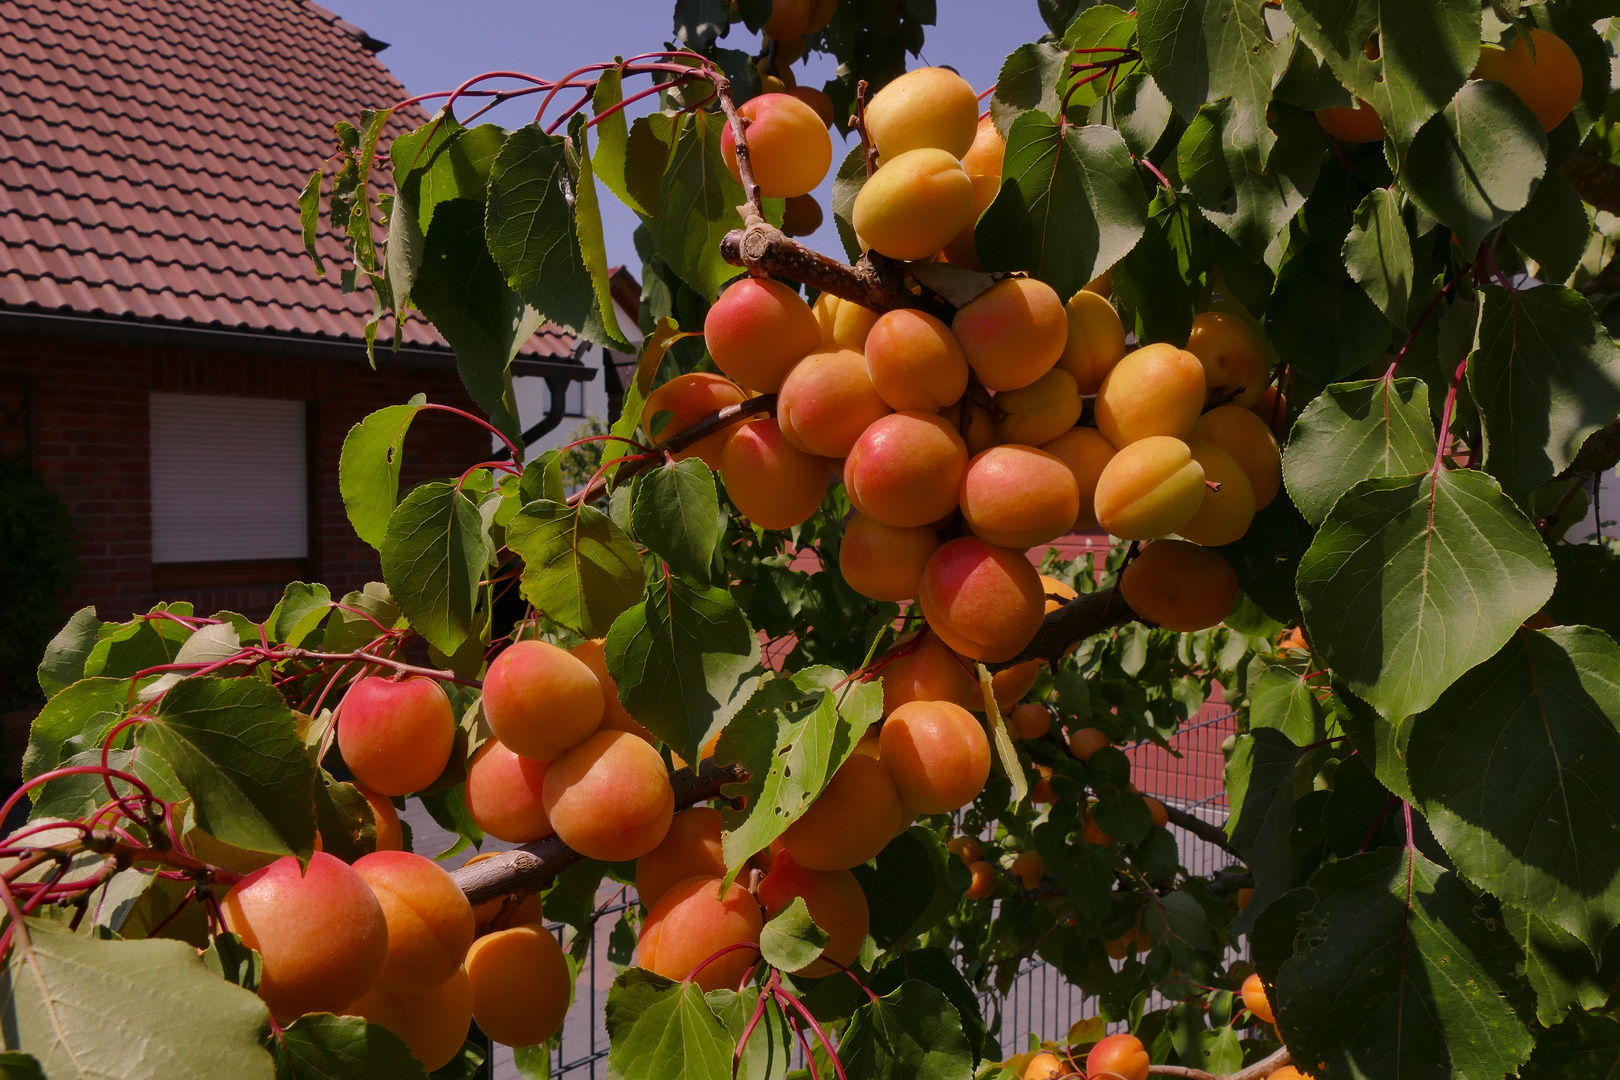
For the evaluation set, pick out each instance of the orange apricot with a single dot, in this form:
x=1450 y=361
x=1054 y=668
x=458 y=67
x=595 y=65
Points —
x=914 y=361
x=385 y=819
x=433 y=1022
x=882 y=562
x=1243 y=898
x=1236 y=370
x=1012 y=333
x=1028 y=868
x=1247 y=438
x=757 y=330
x=963 y=248
x=1161 y=817
x=512 y=910
x=609 y=798
x=503 y=794
x=820 y=103
x=692 y=922
x=430 y=923
x=1548 y=82
x=981 y=427
x=1228 y=507
x=844 y=323
x=821 y=13
x=1096 y=340
x=801 y=216
x=966 y=848
x=789 y=150
x=520 y=985
x=788 y=19
x=1057 y=593
x=772 y=482
x=1179 y=586
x=541 y=700
x=937 y=754
x=913 y=205
x=1087 y=454
x=615 y=716
x=1093 y=833
x=1019 y=497
x=1010 y=684
x=691 y=848
x=1042 y=791
x=1031 y=721
x=925 y=669
x=985 y=156
x=854 y=817
x=395 y=735
x=1255 y=1000
x=1041 y=411
x=1156 y=390
x=906 y=469
x=984 y=601
x=929 y=108
x=321 y=934
x=826 y=401
x=1046 y=1066
x=1359 y=124
x=687 y=399
x=984 y=880
x=1087 y=741
x=1150 y=488
x=836 y=903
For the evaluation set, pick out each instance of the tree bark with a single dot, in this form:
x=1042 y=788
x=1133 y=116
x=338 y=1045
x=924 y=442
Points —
x=1258 y=1071
x=876 y=283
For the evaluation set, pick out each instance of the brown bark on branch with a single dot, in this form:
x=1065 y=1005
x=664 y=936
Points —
x=1594 y=179
x=1087 y=614
x=765 y=403
x=1206 y=831
x=876 y=283
x=1258 y=1071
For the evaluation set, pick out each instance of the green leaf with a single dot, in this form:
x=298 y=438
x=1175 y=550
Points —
x=1588 y=591
x=770 y=1049
x=65 y=656
x=297 y=615
x=1267 y=558
x=348 y=630
x=1123 y=816
x=1478 y=162
x=233 y=961
x=368 y=468
x=935 y=966
x=433 y=557
x=847 y=183
x=1582 y=1046
x=1070 y=204
x=1251 y=205
x=19 y=1066
x=1205 y=50
x=579 y=568
x=660 y=1030
x=1378 y=254
x=1513 y=768
x=613 y=138
x=699 y=22
x=1356 y=431
x=697 y=206
x=676 y=513
x=1560 y=967
x=441 y=161
x=1260 y=786
x=402 y=257
x=1397 y=971
x=139 y=904
x=1552 y=228
x=1086 y=872
x=913 y=1033
x=603 y=325
x=341 y=1047
x=1141 y=112
x=1283 y=700
x=1380 y=742
x=344 y=819
x=910 y=892
x=233 y=744
x=792 y=940
x=1161 y=280
x=1412 y=581
x=74 y=721
x=1032 y=78
x=128 y=1010
x=1545 y=376
x=1100 y=27
x=123 y=650
x=309 y=218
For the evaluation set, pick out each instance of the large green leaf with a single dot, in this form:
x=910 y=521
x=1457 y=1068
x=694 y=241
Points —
x=1033 y=77
x=233 y=744
x=1286 y=701
x=65 y=656
x=579 y=568
x=1545 y=376
x=369 y=464
x=1250 y=204
x=1357 y=431
x=697 y=206
x=1588 y=591
x=1161 y=280
x=676 y=513
x=1514 y=768
x=770 y=1050
x=296 y=615
x=1412 y=581
x=342 y=1048
x=1398 y=974
x=127 y=1010
x=122 y=650
x=1553 y=228
x=1260 y=785
x=913 y=1033
x=74 y=721
x=1560 y=967
x=910 y=892
x=791 y=939
x=433 y=557
x=1378 y=254
x=1206 y=50
x=663 y=1030
x=1070 y=204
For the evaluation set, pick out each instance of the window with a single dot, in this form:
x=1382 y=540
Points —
x=574 y=399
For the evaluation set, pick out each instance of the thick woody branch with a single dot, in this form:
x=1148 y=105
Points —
x=752 y=209
x=1594 y=179
x=1258 y=1071
x=1206 y=831
x=1085 y=615
x=876 y=283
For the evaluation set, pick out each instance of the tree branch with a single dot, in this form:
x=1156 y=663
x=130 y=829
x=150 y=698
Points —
x=876 y=282
x=1087 y=614
x=1594 y=179
x=1258 y=1071
x=1204 y=830
x=723 y=418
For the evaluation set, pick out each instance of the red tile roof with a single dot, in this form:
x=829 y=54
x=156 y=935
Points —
x=151 y=155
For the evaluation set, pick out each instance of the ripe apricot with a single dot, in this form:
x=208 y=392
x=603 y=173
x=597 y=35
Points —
x=925 y=669
x=913 y=205
x=984 y=880
x=691 y=848
x=1548 y=82
x=1236 y=370
x=1019 y=497
x=985 y=156
x=929 y=108
x=1057 y=593
x=690 y=923
x=1031 y=721
x=1041 y=411
x=433 y=1022
x=966 y=848
x=883 y=562
x=1046 y=1066
x=1012 y=333
x=856 y=814
x=836 y=903
x=821 y=13
x=1243 y=898
x=542 y=701
x=1156 y=808
x=609 y=798
x=914 y=361
x=1093 y=833
x=390 y=837
x=1245 y=436
x=1228 y=508
x=906 y=469
x=820 y=103
x=844 y=323
x=984 y=601
x=1156 y=390
x=1042 y=791
x=1087 y=741
x=788 y=19
x=801 y=216
x=1010 y=684
x=1255 y=1000
x=937 y=754
x=1360 y=124
x=826 y=401
x=981 y=428
x=520 y=985
x=615 y=716
x=1273 y=409
x=503 y=794
x=1120 y=1056
x=1086 y=453
x=321 y=934
x=1179 y=586
x=687 y=399
x=395 y=735
x=774 y=483
x=1096 y=339
x=1028 y=868
x=430 y=923
x=963 y=248
x=1288 y=1072
x=757 y=330
x=1150 y=488
x=789 y=150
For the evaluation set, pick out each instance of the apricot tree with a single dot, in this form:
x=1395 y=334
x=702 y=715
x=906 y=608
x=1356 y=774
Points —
x=1303 y=304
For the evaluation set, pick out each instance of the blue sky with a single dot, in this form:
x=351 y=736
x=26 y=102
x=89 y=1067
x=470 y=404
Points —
x=436 y=46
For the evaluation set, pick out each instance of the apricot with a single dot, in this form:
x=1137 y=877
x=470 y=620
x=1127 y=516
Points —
x=852 y=819
x=1010 y=684
x=1227 y=510
x=1019 y=497
x=1031 y=721
x=1041 y=411
x=688 y=399
x=1057 y=593
x=615 y=716
x=390 y=837
x=541 y=701
x=321 y=935
x=1029 y=868
x=1549 y=82
x=906 y=470
x=983 y=601
x=826 y=402
x=1087 y=741
x=1255 y=1000
x=1179 y=586
x=772 y=482
x=1245 y=436
x=691 y=848
x=1161 y=817
x=1288 y=1072
x=844 y=323
x=520 y=985
x=925 y=669
x=1360 y=124
x=913 y=205
x=788 y=19
x=789 y=150
x=836 y=902
x=430 y=923
x=965 y=848
x=821 y=13
x=1150 y=488
x=822 y=106
x=1046 y=1066
x=1243 y=898
x=609 y=798
x=1042 y=791
x=1273 y=409
x=757 y=330
x=503 y=794
x=1093 y=833
x=989 y=149
x=882 y=562
x=1120 y=947
x=1096 y=339
x=963 y=248
x=914 y=361
x=1087 y=454
x=981 y=427
x=434 y=1022
x=1156 y=390
x=1236 y=370
x=692 y=922
x=937 y=754
x=984 y=880
x=1012 y=333
x=929 y=108
x=395 y=735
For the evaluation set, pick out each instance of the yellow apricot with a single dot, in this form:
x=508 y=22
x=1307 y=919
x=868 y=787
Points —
x=963 y=248
x=929 y=108
x=433 y=1022
x=1245 y=436
x=937 y=754
x=1549 y=82
x=691 y=848
x=1087 y=454
x=1096 y=341
x=1150 y=488
x=520 y=985
x=914 y=361
x=923 y=668
x=854 y=817
x=1031 y=721
x=758 y=330
x=882 y=562
x=609 y=798
x=687 y=399
x=430 y=923
x=1235 y=367
x=844 y=323
x=984 y=601
x=826 y=402
x=906 y=469
x=1041 y=411
x=541 y=700
x=985 y=156
x=981 y=429
x=1028 y=868
x=1225 y=514
x=913 y=205
x=1359 y=124
x=1179 y=586
x=789 y=150
x=1013 y=333
x=1255 y=1000
x=772 y=482
x=1019 y=497
x=615 y=717
x=1156 y=390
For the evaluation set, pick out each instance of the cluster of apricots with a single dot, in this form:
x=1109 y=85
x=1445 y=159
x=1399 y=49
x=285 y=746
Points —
x=1115 y=1057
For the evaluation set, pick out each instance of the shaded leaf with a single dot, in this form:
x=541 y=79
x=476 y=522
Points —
x=910 y=891
x=341 y=1047
x=791 y=939
x=1378 y=254
x=1552 y=228
x=1357 y=431
x=1260 y=787
x=697 y=206
x=74 y=721
x=1582 y=1046
x=1559 y=965
x=368 y=468
x=913 y=1033
x=65 y=656
x=433 y=557
x=1032 y=78
x=676 y=513
x=579 y=568
x=1205 y=50
x=1588 y=590
x=1250 y=204
x=1282 y=699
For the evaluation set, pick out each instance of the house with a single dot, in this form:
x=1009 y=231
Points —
x=169 y=361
